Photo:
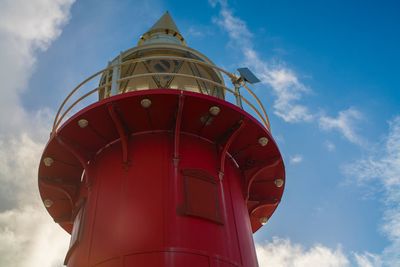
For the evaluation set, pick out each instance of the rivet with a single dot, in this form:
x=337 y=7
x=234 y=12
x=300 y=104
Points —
x=83 y=123
x=263 y=141
x=214 y=110
x=146 y=103
x=263 y=220
x=48 y=203
x=48 y=161
x=278 y=182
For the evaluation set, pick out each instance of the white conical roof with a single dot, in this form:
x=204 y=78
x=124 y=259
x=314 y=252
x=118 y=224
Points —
x=165 y=23
x=163 y=31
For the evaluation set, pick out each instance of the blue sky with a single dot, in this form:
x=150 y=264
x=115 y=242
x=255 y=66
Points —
x=330 y=83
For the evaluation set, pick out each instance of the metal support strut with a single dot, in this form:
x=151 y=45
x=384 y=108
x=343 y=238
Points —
x=121 y=132
x=77 y=154
x=239 y=126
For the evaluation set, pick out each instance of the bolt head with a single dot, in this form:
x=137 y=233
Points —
x=263 y=141
x=48 y=203
x=279 y=182
x=214 y=110
x=83 y=123
x=48 y=161
x=145 y=103
x=263 y=220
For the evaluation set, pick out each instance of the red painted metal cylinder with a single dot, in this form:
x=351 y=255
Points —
x=166 y=185
x=148 y=213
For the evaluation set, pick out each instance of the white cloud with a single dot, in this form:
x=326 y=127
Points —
x=382 y=168
x=19 y=158
x=282 y=80
x=296 y=159
x=36 y=22
x=25 y=27
x=283 y=253
x=28 y=237
x=345 y=123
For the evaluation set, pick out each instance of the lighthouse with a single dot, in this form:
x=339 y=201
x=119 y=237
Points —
x=162 y=159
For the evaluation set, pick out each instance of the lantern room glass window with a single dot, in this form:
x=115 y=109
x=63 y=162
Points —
x=158 y=72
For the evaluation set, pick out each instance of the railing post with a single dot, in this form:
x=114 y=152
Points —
x=116 y=74
x=237 y=95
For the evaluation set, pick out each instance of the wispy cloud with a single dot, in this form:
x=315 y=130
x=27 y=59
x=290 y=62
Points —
x=199 y=31
x=368 y=260
x=382 y=168
x=283 y=81
x=345 y=123
x=289 y=91
x=296 y=159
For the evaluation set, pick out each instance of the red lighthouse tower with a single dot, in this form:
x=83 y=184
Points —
x=167 y=166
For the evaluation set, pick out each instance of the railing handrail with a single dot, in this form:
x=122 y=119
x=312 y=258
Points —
x=61 y=115
x=130 y=61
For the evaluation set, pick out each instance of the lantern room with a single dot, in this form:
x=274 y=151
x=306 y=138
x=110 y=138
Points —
x=162 y=60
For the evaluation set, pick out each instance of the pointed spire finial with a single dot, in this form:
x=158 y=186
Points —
x=165 y=22
x=163 y=31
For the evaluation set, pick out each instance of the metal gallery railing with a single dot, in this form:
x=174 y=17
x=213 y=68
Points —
x=68 y=104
